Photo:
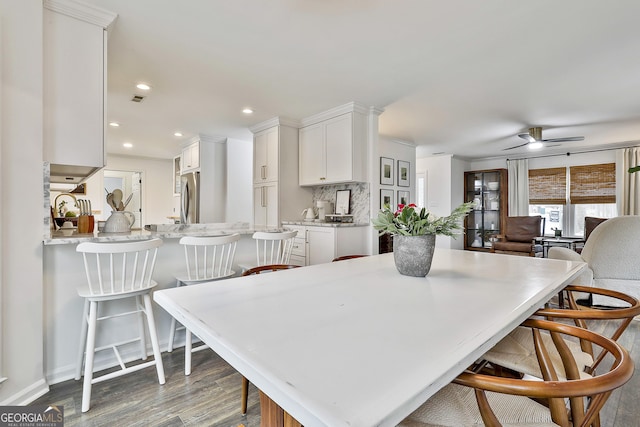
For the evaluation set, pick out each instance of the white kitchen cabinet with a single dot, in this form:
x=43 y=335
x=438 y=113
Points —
x=190 y=157
x=265 y=155
x=334 y=150
x=321 y=244
x=265 y=205
x=74 y=87
x=275 y=176
x=312 y=155
x=299 y=249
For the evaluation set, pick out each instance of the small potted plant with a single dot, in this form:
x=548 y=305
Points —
x=414 y=234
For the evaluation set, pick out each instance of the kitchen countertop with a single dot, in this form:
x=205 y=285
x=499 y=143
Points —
x=318 y=223
x=166 y=231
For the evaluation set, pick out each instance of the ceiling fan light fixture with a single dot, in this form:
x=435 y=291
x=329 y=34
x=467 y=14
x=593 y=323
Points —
x=535 y=145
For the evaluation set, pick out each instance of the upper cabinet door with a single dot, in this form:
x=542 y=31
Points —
x=74 y=88
x=265 y=155
x=190 y=158
x=312 y=169
x=333 y=151
x=339 y=149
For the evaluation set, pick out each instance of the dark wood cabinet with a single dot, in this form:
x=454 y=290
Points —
x=488 y=189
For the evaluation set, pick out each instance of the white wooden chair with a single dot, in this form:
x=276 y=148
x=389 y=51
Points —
x=273 y=247
x=206 y=259
x=117 y=271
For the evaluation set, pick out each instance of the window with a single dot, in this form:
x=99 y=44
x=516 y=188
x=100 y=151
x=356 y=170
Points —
x=564 y=196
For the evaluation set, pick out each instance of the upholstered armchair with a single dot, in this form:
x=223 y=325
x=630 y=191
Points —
x=519 y=235
x=613 y=255
x=590 y=223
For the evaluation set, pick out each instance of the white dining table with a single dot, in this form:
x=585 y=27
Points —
x=355 y=343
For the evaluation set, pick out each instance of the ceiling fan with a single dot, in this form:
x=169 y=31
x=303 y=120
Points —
x=534 y=139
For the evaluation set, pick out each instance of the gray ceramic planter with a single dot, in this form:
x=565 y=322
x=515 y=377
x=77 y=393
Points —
x=413 y=254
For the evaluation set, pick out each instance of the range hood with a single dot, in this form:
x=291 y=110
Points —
x=71 y=174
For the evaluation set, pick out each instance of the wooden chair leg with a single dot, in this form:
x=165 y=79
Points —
x=245 y=395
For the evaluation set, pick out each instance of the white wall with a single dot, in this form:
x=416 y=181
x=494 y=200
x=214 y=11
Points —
x=157 y=187
x=397 y=150
x=158 y=202
x=239 y=181
x=445 y=187
x=21 y=189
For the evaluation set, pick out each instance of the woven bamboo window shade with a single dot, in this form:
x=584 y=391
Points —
x=593 y=183
x=548 y=186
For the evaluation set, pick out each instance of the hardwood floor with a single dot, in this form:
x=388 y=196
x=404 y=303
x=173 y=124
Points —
x=210 y=396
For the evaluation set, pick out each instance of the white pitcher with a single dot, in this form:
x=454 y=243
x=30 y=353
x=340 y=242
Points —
x=119 y=222
x=309 y=214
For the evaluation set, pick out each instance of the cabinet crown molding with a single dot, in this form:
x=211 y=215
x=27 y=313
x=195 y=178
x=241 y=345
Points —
x=82 y=11
x=276 y=121
x=207 y=138
x=351 y=107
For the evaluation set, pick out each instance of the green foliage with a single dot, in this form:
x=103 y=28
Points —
x=634 y=169
x=409 y=221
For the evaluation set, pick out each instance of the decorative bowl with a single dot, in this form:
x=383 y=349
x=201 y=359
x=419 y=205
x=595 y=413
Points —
x=61 y=220
x=492 y=185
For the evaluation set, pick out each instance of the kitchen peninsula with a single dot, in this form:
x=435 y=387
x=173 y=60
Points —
x=63 y=274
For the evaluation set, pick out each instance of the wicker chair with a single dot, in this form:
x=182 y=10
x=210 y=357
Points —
x=474 y=399
x=516 y=351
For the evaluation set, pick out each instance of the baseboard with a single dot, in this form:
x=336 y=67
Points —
x=27 y=395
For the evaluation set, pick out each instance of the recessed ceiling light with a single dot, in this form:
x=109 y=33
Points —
x=177 y=134
x=143 y=86
x=127 y=145
x=114 y=124
x=247 y=111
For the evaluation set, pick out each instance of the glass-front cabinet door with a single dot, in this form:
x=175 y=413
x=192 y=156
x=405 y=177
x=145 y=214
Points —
x=487 y=190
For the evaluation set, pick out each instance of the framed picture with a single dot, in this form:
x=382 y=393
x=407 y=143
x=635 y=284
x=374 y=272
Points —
x=386 y=198
x=403 y=197
x=386 y=171
x=342 y=201
x=403 y=173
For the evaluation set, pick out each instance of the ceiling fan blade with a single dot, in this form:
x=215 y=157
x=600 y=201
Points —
x=526 y=137
x=517 y=146
x=571 y=138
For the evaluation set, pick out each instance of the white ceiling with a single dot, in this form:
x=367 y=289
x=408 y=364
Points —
x=455 y=76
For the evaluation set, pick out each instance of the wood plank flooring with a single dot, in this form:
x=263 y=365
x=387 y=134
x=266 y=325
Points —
x=210 y=396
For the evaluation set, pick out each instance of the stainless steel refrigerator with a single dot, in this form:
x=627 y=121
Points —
x=190 y=198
